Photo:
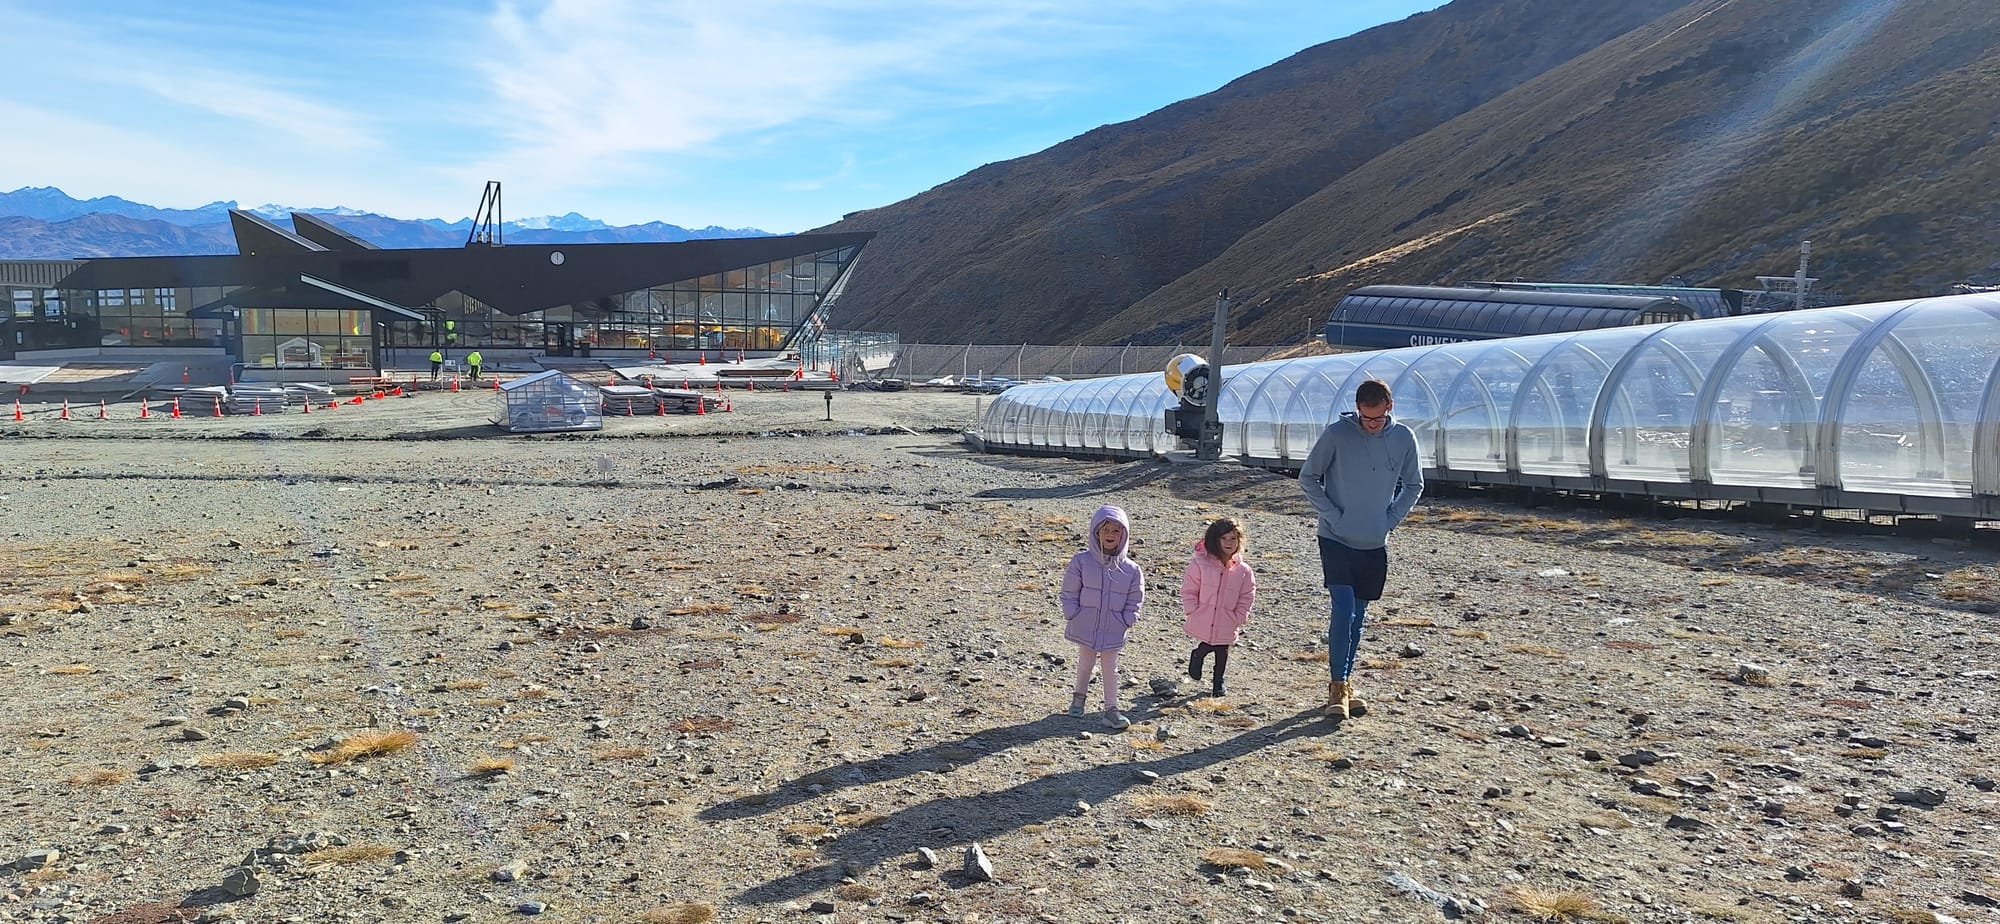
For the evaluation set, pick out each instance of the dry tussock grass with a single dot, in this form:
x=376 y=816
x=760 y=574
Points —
x=841 y=630
x=1154 y=806
x=857 y=893
x=859 y=819
x=461 y=686
x=1479 y=634
x=891 y=662
x=620 y=754
x=533 y=693
x=804 y=833
x=1609 y=821
x=183 y=570
x=885 y=517
x=752 y=590
x=1307 y=656
x=1233 y=858
x=237 y=760
x=348 y=855
x=490 y=766
x=1211 y=706
x=72 y=669
x=887 y=642
x=100 y=777
x=678 y=914
x=1028 y=587
x=749 y=492
x=1051 y=537
x=701 y=609
x=366 y=746
x=1552 y=905
x=1864 y=754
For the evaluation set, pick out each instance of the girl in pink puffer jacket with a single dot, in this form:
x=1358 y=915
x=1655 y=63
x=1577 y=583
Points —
x=1217 y=594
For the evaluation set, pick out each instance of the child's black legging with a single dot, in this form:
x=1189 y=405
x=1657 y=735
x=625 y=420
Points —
x=1201 y=652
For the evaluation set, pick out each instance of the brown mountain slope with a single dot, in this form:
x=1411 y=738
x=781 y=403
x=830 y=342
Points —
x=1706 y=144
x=103 y=234
x=1046 y=247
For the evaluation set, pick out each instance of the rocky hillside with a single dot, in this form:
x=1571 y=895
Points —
x=1538 y=138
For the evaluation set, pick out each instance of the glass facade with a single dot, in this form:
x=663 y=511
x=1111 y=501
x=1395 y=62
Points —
x=307 y=338
x=1892 y=406
x=144 y=317
x=762 y=307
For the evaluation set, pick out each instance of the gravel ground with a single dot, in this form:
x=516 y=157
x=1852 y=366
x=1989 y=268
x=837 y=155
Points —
x=384 y=665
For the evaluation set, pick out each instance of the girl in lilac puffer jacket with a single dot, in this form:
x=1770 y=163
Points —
x=1101 y=594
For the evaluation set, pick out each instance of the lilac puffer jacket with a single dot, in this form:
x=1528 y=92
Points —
x=1101 y=592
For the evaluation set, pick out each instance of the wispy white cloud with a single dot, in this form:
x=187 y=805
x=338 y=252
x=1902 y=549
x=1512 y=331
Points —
x=585 y=87
x=294 y=118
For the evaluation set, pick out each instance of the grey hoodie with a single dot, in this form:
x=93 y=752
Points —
x=1363 y=484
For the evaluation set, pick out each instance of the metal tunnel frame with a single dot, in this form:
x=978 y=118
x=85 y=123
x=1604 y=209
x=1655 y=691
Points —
x=1890 y=407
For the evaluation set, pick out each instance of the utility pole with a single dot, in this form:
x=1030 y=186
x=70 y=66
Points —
x=1799 y=280
x=1209 y=447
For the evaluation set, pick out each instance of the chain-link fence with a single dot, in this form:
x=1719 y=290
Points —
x=922 y=361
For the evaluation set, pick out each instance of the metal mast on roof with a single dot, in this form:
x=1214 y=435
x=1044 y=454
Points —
x=486 y=223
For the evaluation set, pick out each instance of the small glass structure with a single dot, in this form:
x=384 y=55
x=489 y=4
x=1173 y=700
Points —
x=548 y=402
x=1893 y=406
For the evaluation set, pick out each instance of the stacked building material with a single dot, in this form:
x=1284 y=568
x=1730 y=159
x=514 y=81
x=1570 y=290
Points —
x=687 y=401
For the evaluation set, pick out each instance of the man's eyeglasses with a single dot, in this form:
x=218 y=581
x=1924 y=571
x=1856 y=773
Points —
x=1377 y=418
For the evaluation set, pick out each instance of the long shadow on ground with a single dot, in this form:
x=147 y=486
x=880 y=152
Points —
x=966 y=819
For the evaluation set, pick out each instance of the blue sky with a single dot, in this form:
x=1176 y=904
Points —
x=776 y=115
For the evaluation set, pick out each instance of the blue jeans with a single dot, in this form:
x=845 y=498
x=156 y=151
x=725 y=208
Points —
x=1343 y=631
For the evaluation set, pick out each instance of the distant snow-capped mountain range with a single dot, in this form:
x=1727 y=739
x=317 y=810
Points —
x=44 y=223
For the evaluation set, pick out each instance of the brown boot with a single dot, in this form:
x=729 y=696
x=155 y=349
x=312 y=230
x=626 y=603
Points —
x=1336 y=700
x=1356 y=706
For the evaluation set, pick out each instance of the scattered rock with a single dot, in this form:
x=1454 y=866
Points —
x=926 y=858
x=1639 y=758
x=514 y=871
x=241 y=881
x=977 y=865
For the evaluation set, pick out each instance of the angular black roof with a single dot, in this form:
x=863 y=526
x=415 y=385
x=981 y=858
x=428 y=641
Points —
x=514 y=279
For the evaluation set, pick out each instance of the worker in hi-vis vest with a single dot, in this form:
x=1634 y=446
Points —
x=472 y=361
x=437 y=363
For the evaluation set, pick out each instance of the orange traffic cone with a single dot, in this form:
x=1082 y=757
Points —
x=309 y=404
x=659 y=408
x=177 y=408
x=102 y=414
x=700 y=406
x=17 y=410
x=704 y=357
x=454 y=384
x=184 y=375
x=145 y=410
x=65 y=413
x=257 y=409
x=750 y=385
x=218 y=407
x=496 y=386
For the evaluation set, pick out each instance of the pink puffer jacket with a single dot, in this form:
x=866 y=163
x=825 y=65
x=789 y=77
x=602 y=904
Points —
x=1217 y=597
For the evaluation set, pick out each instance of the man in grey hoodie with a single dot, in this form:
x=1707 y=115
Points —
x=1362 y=476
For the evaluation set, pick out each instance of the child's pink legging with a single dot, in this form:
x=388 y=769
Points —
x=1107 y=661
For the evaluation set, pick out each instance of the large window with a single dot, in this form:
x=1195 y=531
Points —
x=762 y=307
x=307 y=338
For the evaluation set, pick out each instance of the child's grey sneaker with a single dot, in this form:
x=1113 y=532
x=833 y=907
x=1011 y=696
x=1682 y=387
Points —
x=1076 y=706
x=1116 y=719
